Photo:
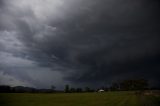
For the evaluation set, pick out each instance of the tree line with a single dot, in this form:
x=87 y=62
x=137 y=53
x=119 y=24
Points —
x=125 y=85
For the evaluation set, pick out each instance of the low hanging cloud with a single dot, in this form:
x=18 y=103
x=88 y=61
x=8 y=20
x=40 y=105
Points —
x=55 y=42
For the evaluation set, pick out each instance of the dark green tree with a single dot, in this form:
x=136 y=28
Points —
x=53 y=88
x=114 y=87
x=79 y=90
x=72 y=90
x=66 y=88
x=87 y=89
x=139 y=84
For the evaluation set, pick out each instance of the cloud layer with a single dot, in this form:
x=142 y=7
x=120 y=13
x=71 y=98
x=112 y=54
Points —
x=84 y=42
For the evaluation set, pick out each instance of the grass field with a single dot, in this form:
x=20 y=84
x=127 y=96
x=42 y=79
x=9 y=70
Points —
x=79 y=99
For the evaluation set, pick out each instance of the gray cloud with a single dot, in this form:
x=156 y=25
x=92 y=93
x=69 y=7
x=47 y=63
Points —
x=79 y=42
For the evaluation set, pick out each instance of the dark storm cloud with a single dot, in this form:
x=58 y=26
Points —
x=121 y=41
x=86 y=41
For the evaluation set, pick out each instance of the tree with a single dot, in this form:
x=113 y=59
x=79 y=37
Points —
x=139 y=84
x=5 y=88
x=79 y=90
x=114 y=87
x=87 y=89
x=66 y=88
x=53 y=88
x=72 y=90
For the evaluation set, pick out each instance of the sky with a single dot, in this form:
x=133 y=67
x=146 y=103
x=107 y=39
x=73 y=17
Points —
x=78 y=42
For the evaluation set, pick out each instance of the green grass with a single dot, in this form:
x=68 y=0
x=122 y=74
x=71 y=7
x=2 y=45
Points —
x=78 y=99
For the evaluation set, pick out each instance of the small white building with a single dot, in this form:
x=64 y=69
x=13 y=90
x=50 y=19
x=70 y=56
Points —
x=100 y=90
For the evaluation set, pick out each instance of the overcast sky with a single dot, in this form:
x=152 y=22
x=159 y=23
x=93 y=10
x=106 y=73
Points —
x=78 y=42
